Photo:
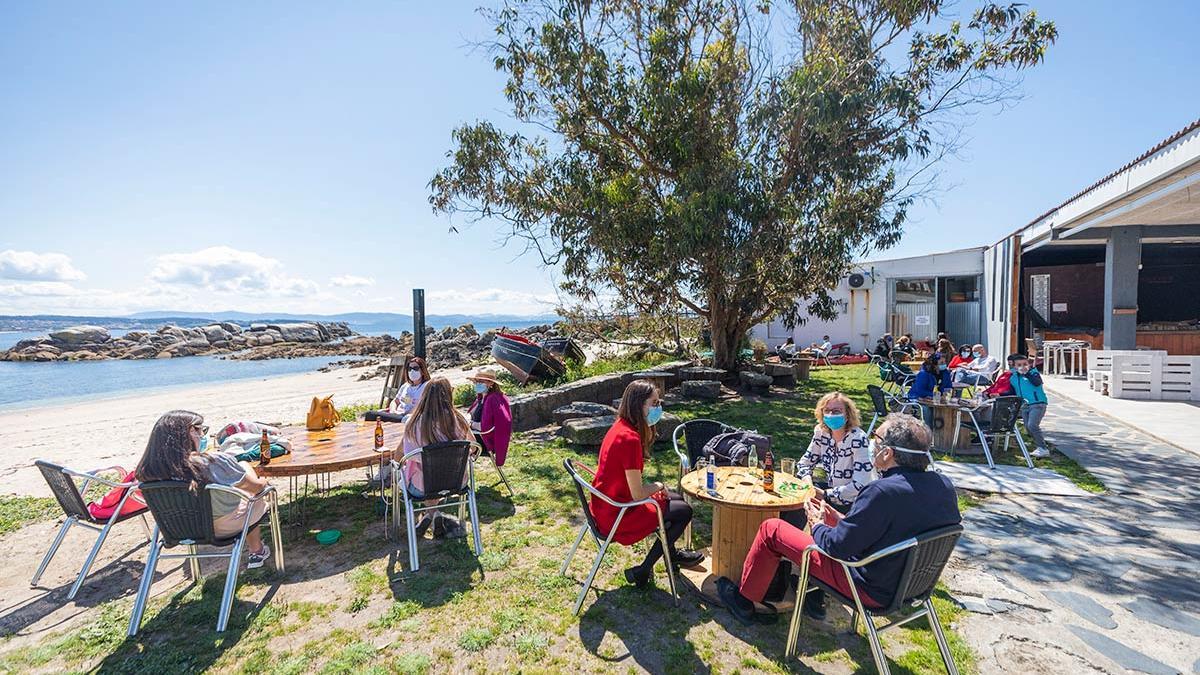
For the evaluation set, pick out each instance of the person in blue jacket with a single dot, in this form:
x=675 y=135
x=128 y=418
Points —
x=933 y=375
x=1026 y=382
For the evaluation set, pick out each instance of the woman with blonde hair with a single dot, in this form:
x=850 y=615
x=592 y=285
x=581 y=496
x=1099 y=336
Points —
x=434 y=420
x=619 y=476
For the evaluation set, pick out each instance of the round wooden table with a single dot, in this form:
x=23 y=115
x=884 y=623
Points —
x=946 y=419
x=349 y=445
x=740 y=507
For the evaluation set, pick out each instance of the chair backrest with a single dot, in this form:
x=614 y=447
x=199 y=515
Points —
x=923 y=566
x=579 y=483
x=64 y=488
x=697 y=434
x=877 y=399
x=180 y=513
x=1005 y=411
x=443 y=466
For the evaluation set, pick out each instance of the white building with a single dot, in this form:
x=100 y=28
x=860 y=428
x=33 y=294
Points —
x=922 y=295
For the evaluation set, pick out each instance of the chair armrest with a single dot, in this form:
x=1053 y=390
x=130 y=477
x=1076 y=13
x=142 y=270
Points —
x=881 y=553
x=240 y=492
x=90 y=476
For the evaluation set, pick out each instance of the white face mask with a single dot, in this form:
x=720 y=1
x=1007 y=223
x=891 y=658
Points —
x=415 y=376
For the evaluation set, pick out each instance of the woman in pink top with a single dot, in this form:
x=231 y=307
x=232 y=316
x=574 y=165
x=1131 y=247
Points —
x=434 y=420
x=491 y=419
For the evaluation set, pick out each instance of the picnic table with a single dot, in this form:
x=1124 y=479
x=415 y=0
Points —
x=349 y=445
x=739 y=508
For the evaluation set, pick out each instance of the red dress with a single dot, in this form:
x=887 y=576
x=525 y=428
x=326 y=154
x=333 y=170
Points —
x=621 y=451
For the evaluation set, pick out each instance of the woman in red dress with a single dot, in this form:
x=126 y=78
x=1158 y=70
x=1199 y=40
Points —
x=619 y=476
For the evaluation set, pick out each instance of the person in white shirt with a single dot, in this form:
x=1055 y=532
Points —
x=416 y=376
x=787 y=349
x=979 y=370
x=820 y=349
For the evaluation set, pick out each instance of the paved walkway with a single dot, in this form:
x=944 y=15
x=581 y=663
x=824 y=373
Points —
x=1105 y=583
x=1172 y=421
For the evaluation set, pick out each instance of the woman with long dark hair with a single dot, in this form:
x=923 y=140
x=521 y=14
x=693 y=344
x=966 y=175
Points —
x=933 y=376
x=173 y=453
x=619 y=476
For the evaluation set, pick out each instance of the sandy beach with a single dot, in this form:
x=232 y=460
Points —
x=112 y=431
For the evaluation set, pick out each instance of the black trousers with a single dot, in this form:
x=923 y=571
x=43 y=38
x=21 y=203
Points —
x=372 y=415
x=676 y=517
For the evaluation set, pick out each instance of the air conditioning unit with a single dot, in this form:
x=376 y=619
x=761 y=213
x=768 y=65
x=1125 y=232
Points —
x=858 y=281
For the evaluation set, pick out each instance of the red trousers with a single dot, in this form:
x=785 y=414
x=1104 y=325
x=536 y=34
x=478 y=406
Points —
x=777 y=539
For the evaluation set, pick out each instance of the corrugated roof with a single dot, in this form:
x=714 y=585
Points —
x=1140 y=158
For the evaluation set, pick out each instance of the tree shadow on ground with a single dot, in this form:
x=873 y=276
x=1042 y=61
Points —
x=182 y=637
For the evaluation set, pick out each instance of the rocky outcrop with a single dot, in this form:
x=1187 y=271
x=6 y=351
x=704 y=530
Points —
x=90 y=343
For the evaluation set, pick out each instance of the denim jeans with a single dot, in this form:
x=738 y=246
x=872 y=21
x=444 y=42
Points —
x=1031 y=416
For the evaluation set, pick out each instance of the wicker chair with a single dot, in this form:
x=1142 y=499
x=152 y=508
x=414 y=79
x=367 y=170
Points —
x=1006 y=410
x=582 y=489
x=442 y=468
x=925 y=556
x=185 y=517
x=70 y=497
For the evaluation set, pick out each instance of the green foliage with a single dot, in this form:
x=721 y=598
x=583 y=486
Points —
x=476 y=639
x=702 y=154
x=351 y=413
x=17 y=512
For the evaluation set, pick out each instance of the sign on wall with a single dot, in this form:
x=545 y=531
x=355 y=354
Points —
x=1041 y=294
x=1059 y=307
x=921 y=320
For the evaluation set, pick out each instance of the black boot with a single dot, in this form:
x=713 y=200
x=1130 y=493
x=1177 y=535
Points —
x=814 y=604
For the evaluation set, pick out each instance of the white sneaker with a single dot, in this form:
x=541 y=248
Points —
x=1040 y=453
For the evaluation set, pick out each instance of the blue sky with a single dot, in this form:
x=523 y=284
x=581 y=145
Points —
x=275 y=156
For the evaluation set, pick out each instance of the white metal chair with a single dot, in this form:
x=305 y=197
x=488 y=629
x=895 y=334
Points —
x=484 y=452
x=185 y=517
x=583 y=487
x=442 y=469
x=70 y=497
x=925 y=558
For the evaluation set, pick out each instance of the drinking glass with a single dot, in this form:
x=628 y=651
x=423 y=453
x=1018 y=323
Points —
x=752 y=460
x=701 y=464
x=788 y=466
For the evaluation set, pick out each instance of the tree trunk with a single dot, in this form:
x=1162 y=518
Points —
x=726 y=339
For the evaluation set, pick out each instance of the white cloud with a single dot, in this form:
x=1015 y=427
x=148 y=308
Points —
x=30 y=266
x=351 y=281
x=488 y=301
x=223 y=269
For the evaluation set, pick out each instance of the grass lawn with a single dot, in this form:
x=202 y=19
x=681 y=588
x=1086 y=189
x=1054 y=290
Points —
x=351 y=607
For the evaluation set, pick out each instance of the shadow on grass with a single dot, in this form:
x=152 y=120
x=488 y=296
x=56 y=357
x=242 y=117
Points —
x=447 y=568
x=182 y=637
x=629 y=614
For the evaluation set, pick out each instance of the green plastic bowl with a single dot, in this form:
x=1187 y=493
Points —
x=327 y=537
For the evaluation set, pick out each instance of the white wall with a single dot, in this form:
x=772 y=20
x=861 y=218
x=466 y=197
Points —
x=863 y=317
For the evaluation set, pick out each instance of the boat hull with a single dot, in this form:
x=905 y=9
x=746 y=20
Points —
x=526 y=360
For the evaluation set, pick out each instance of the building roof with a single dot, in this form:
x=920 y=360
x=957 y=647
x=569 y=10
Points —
x=875 y=261
x=1134 y=162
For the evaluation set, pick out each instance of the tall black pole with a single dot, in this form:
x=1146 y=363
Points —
x=419 y=322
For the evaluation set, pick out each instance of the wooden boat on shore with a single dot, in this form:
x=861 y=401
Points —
x=526 y=360
x=565 y=348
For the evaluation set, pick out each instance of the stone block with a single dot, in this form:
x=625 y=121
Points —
x=587 y=431
x=580 y=409
x=701 y=373
x=706 y=390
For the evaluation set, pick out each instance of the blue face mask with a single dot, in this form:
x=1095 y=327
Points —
x=480 y=388
x=835 y=422
x=942 y=366
x=976 y=354
x=203 y=443
x=654 y=415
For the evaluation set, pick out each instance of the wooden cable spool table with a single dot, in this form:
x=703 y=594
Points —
x=349 y=445
x=946 y=420
x=738 y=510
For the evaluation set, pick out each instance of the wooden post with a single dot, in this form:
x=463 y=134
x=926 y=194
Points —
x=1013 y=316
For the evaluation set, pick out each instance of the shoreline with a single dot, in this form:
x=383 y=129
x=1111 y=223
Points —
x=99 y=432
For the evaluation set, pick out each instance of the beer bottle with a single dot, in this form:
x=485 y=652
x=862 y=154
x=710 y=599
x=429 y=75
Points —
x=264 y=450
x=768 y=472
x=378 y=434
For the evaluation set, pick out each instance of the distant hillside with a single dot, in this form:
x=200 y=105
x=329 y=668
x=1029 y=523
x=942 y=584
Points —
x=362 y=322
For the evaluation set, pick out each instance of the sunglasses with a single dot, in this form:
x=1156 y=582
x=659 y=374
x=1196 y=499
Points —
x=202 y=428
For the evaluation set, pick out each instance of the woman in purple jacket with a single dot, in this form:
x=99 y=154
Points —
x=491 y=419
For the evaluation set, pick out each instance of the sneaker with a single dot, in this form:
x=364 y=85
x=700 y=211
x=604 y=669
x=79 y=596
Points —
x=1040 y=453
x=439 y=526
x=637 y=576
x=687 y=558
x=423 y=525
x=814 y=605
x=257 y=560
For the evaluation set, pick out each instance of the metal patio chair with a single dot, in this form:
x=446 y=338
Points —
x=185 y=517
x=484 y=452
x=583 y=487
x=1006 y=410
x=886 y=403
x=696 y=434
x=70 y=497
x=442 y=468
x=925 y=556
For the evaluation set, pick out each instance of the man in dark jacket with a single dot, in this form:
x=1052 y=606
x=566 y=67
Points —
x=906 y=501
